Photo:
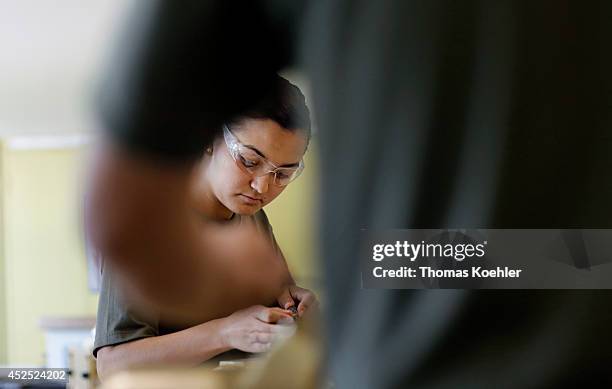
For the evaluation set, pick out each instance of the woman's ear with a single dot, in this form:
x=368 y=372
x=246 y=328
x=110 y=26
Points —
x=209 y=150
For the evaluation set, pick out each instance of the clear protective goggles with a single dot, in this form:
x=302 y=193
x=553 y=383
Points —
x=256 y=165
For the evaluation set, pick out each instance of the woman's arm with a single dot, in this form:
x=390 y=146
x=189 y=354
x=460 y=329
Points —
x=252 y=330
x=188 y=347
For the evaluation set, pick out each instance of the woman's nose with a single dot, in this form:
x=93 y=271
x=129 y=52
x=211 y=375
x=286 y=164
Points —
x=261 y=183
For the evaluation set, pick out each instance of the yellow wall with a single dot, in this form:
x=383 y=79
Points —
x=44 y=265
x=293 y=217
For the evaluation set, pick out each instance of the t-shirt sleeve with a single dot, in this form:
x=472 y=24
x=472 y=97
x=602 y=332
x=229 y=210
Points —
x=263 y=224
x=116 y=321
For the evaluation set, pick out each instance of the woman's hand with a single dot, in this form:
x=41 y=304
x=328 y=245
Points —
x=255 y=329
x=292 y=294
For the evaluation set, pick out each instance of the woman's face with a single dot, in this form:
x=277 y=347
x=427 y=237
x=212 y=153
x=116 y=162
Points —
x=236 y=189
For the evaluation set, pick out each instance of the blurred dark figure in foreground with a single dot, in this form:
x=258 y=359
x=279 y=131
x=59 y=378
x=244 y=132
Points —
x=432 y=114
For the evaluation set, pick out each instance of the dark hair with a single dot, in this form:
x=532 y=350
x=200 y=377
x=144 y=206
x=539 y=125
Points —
x=284 y=103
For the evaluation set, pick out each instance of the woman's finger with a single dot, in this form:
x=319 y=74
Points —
x=300 y=294
x=305 y=297
x=308 y=300
x=285 y=300
x=272 y=315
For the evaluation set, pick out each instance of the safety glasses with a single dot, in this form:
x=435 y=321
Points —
x=256 y=165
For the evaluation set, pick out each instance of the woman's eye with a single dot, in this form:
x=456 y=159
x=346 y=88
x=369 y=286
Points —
x=281 y=175
x=247 y=162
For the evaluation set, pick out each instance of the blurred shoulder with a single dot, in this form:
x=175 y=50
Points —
x=259 y=219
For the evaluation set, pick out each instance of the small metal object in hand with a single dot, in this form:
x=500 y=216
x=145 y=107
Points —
x=293 y=310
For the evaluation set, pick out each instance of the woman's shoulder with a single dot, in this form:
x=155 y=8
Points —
x=259 y=219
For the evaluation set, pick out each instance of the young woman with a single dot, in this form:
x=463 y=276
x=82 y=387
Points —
x=247 y=166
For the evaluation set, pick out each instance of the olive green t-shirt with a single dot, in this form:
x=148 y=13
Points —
x=117 y=323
